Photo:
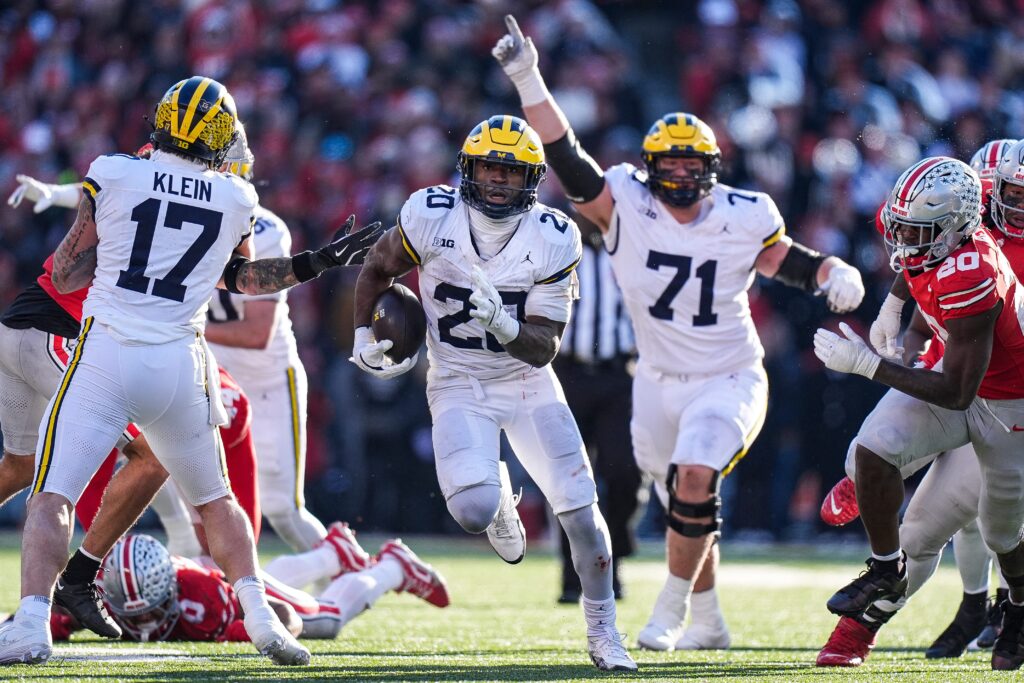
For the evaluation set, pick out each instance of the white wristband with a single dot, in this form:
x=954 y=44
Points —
x=892 y=303
x=531 y=87
x=507 y=330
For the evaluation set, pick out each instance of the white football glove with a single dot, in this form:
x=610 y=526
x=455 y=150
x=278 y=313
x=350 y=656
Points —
x=886 y=329
x=518 y=58
x=489 y=310
x=368 y=355
x=44 y=195
x=844 y=288
x=851 y=355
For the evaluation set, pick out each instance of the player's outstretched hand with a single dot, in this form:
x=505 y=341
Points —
x=851 y=355
x=514 y=51
x=844 y=288
x=350 y=248
x=369 y=356
x=40 y=194
x=886 y=328
x=489 y=309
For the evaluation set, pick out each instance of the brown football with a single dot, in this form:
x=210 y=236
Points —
x=398 y=316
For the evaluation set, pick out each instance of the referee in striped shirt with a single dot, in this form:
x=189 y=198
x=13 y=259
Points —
x=593 y=366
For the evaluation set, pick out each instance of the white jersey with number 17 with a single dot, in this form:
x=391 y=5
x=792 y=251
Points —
x=685 y=285
x=167 y=227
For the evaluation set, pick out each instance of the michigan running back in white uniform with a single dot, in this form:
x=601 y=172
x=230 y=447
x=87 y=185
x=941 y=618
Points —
x=154 y=237
x=685 y=251
x=497 y=283
x=252 y=337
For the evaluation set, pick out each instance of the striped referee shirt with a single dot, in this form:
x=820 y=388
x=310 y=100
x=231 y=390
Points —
x=600 y=329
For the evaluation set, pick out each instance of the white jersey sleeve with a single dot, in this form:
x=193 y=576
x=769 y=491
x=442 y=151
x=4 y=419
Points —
x=167 y=227
x=558 y=286
x=421 y=221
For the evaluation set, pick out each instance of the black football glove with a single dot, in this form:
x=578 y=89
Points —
x=344 y=250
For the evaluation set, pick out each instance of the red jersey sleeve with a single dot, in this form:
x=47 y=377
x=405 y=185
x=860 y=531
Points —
x=207 y=602
x=967 y=284
x=71 y=301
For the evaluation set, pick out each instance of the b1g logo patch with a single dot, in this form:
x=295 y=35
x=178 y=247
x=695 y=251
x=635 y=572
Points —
x=444 y=242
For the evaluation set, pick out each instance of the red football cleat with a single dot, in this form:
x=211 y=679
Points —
x=351 y=555
x=840 y=505
x=849 y=644
x=420 y=578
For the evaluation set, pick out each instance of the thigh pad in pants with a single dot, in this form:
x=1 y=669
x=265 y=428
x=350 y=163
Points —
x=465 y=451
x=902 y=429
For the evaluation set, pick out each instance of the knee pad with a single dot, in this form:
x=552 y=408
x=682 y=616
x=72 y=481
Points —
x=586 y=530
x=297 y=527
x=474 y=508
x=1001 y=509
x=712 y=507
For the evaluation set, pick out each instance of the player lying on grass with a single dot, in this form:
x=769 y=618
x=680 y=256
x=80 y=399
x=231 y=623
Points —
x=156 y=596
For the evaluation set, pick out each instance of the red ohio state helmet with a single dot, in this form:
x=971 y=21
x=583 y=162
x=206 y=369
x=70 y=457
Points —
x=935 y=204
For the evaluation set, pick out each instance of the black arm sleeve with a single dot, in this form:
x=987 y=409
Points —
x=231 y=274
x=800 y=268
x=581 y=177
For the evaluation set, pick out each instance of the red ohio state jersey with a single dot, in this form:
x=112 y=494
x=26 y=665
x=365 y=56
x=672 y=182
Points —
x=972 y=280
x=207 y=601
x=70 y=302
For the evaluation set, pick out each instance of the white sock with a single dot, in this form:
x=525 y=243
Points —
x=600 y=615
x=355 y=593
x=252 y=594
x=890 y=557
x=35 y=608
x=302 y=569
x=706 y=610
x=673 y=602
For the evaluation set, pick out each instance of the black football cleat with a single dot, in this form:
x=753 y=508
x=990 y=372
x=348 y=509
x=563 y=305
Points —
x=1008 y=652
x=970 y=619
x=85 y=604
x=854 y=598
x=994 y=622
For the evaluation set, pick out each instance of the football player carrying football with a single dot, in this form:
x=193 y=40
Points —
x=497 y=283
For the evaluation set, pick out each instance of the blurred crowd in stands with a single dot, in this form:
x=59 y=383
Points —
x=351 y=105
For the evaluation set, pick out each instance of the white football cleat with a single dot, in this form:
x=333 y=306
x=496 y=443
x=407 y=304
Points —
x=25 y=645
x=506 y=533
x=654 y=636
x=701 y=637
x=608 y=653
x=271 y=638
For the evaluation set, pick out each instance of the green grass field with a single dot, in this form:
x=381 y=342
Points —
x=503 y=624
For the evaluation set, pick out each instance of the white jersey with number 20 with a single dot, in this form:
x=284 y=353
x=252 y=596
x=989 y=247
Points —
x=534 y=273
